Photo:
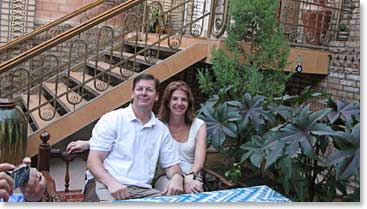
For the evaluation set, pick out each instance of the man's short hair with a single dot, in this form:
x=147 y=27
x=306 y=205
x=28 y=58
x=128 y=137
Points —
x=145 y=76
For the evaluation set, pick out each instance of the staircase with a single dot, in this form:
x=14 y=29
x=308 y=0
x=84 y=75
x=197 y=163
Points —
x=61 y=91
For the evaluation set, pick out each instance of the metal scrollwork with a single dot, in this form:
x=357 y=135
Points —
x=105 y=37
x=219 y=17
x=131 y=31
x=174 y=41
x=81 y=50
x=157 y=22
x=48 y=113
x=175 y=38
x=196 y=28
x=157 y=18
x=150 y=56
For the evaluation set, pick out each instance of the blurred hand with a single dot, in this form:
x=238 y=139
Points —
x=175 y=186
x=6 y=182
x=77 y=146
x=192 y=186
x=119 y=191
x=34 y=189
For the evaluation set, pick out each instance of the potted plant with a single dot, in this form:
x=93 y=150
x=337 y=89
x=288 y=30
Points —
x=343 y=32
x=157 y=20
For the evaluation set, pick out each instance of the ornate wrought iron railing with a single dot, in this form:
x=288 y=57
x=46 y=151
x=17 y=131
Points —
x=65 y=72
x=51 y=29
x=314 y=23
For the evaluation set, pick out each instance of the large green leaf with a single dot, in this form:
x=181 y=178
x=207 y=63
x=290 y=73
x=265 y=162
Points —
x=348 y=140
x=252 y=109
x=349 y=166
x=254 y=150
x=283 y=111
x=220 y=123
x=347 y=157
x=301 y=133
x=344 y=109
x=297 y=138
x=321 y=129
x=274 y=151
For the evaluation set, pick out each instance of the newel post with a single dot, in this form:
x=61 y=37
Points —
x=44 y=152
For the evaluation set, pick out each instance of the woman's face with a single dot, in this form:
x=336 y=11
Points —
x=178 y=103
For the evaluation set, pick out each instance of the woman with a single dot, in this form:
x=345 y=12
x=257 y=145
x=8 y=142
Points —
x=177 y=112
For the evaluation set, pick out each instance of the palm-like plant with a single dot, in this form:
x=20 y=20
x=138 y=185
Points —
x=309 y=154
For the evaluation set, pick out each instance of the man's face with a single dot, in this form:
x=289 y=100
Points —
x=144 y=94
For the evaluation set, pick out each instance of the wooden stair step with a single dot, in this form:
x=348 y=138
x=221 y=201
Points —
x=78 y=76
x=139 y=58
x=162 y=46
x=151 y=39
x=104 y=66
x=33 y=103
x=61 y=89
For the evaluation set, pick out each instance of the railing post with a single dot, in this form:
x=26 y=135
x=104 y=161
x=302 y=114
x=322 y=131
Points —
x=44 y=153
x=67 y=176
x=211 y=18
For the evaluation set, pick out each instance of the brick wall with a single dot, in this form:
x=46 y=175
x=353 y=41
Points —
x=343 y=80
x=47 y=10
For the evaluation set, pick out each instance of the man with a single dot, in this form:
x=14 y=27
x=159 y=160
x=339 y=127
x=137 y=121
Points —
x=32 y=191
x=125 y=147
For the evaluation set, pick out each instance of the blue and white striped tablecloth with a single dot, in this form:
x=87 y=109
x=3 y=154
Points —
x=249 y=194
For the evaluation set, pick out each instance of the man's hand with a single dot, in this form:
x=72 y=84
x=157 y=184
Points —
x=77 y=146
x=192 y=186
x=6 y=182
x=34 y=189
x=118 y=191
x=175 y=185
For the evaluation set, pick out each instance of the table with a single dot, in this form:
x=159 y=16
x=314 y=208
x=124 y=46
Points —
x=15 y=197
x=249 y=194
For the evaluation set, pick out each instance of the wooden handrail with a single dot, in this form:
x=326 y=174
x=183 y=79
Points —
x=50 y=25
x=219 y=177
x=67 y=35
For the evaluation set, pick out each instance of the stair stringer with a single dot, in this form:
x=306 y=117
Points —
x=114 y=98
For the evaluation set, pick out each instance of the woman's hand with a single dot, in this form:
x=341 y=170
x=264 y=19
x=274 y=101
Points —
x=192 y=185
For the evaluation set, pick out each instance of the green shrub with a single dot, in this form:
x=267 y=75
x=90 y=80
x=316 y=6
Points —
x=253 y=21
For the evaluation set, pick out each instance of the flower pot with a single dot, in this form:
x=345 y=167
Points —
x=13 y=133
x=343 y=36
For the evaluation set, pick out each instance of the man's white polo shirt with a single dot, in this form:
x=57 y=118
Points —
x=133 y=148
